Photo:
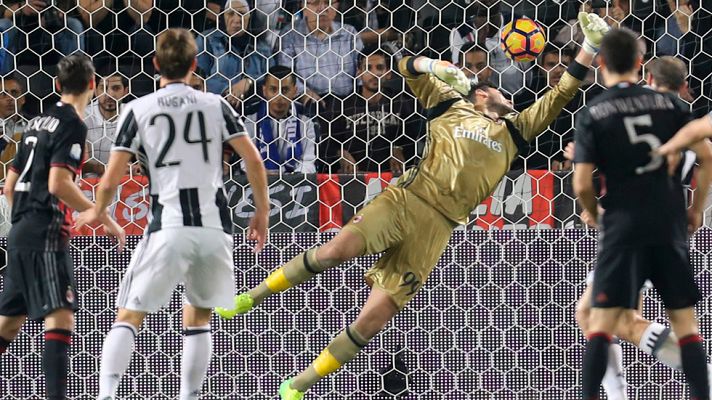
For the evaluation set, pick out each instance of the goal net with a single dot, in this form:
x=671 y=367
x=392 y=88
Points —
x=495 y=320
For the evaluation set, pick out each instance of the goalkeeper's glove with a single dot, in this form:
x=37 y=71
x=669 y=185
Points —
x=594 y=28
x=448 y=73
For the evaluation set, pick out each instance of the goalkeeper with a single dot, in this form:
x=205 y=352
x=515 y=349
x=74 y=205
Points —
x=472 y=141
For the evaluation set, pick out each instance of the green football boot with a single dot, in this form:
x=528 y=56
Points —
x=243 y=304
x=287 y=393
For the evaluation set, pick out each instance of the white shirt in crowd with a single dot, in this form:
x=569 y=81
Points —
x=101 y=133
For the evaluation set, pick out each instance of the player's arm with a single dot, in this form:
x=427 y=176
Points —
x=433 y=82
x=235 y=135
x=693 y=132
x=535 y=118
x=257 y=176
x=585 y=156
x=703 y=153
x=111 y=180
x=585 y=189
x=9 y=189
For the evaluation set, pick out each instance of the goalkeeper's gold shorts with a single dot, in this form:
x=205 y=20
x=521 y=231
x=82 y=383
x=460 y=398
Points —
x=412 y=235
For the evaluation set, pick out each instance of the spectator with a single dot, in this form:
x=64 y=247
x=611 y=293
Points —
x=195 y=15
x=378 y=21
x=115 y=27
x=669 y=35
x=546 y=152
x=6 y=58
x=227 y=54
x=474 y=61
x=12 y=121
x=101 y=119
x=58 y=30
x=370 y=129
x=285 y=137
x=321 y=51
x=483 y=24
x=197 y=80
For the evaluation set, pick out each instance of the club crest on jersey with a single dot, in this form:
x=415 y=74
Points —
x=76 y=151
x=479 y=135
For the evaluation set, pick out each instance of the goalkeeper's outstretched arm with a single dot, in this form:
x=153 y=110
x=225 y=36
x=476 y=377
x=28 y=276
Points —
x=533 y=120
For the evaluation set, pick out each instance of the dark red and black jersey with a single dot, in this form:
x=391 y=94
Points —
x=40 y=220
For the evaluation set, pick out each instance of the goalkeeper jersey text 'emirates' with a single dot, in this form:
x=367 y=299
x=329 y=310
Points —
x=177 y=134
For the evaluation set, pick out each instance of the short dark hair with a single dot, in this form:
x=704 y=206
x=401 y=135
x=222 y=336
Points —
x=668 y=71
x=470 y=47
x=482 y=85
x=175 y=52
x=550 y=49
x=619 y=50
x=112 y=74
x=280 y=72
x=17 y=78
x=375 y=51
x=74 y=72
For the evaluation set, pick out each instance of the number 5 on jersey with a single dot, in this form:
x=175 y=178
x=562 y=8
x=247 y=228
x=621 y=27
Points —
x=651 y=140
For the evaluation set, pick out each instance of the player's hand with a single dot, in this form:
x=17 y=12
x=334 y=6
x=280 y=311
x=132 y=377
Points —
x=589 y=219
x=570 y=151
x=112 y=228
x=673 y=159
x=594 y=28
x=258 y=230
x=450 y=74
x=86 y=217
x=694 y=220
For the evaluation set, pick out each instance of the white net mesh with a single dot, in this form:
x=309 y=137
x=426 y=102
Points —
x=496 y=318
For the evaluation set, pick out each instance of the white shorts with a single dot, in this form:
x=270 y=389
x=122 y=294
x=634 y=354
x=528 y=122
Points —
x=199 y=258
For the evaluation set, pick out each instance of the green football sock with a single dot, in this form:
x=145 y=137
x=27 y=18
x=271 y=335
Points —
x=341 y=350
x=299 y=269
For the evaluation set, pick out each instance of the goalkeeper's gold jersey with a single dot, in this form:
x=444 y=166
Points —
x=468 y=153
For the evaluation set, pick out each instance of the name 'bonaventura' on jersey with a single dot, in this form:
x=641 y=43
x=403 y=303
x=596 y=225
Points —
x=617 y=132
x=40 y=221
x=177 y=133
x=468 y=153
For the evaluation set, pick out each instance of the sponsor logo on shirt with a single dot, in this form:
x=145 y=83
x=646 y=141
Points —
x=479 y=135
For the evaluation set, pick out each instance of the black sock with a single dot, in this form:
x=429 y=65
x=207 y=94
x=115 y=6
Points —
x=694 y=365
x=4 y=344
x=55 y=362
x=595 y=360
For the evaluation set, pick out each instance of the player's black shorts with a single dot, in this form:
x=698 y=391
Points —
x=622 y=271
x=37 y=283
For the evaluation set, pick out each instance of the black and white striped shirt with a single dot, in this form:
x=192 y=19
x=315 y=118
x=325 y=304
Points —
x=177 y=133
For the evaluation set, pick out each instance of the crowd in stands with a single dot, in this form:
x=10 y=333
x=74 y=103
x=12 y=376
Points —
x=316 y=80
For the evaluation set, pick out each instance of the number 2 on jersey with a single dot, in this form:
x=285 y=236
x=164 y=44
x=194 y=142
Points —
x=160 y=162
x=648 y=138
x=22 y=185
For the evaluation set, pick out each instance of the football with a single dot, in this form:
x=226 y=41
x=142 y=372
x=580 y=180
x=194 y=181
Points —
x=522 y=40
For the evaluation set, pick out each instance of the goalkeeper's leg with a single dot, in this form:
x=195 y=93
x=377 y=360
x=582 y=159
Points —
x=379 y=309
x=345 y=246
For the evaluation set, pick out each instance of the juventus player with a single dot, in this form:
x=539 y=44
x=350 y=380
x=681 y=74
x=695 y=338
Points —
x=177 y=133
x=40 y=187
x=644 y=228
